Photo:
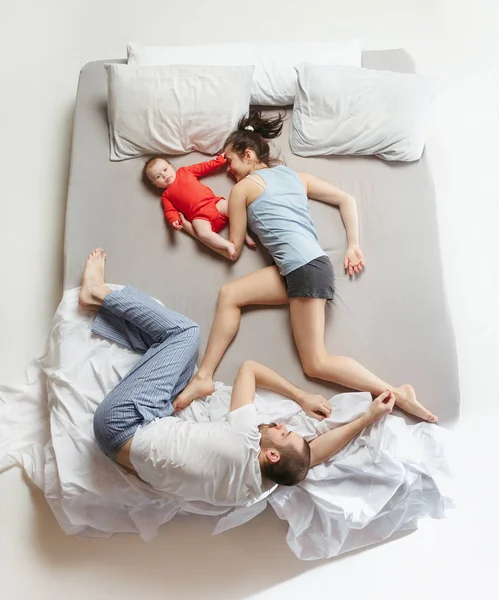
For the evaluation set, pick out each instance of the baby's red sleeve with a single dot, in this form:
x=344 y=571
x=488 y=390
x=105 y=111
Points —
x=204 y=168
x=171 y=213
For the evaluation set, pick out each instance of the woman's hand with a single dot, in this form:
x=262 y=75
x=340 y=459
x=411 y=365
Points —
x=316 y=406
x=187 y=225
x=354 y=261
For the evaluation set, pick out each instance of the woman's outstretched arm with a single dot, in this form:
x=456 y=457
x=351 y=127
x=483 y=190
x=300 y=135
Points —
x=317 y=189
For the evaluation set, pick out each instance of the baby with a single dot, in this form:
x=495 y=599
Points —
x=184 y=193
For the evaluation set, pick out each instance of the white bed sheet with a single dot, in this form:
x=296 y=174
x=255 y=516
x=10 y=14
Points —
x=381 y=483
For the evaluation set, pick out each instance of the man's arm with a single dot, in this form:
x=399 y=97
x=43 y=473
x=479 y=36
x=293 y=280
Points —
x=243 y=390
x=253 y=374
x=328 y=444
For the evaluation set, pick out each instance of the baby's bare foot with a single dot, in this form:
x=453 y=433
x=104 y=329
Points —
x=199 y=387
x=405 y=398
x=92 y=279
x=231 y=249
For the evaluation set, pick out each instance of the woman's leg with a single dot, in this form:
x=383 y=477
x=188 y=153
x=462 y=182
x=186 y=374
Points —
x=266 y=287
x=308 y=325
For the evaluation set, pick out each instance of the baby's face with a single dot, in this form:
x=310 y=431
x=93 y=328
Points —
x=161 y=174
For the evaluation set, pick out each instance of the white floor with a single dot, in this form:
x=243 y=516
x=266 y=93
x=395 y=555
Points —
x=43 y=47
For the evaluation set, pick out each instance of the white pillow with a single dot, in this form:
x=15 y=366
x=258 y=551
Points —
x=274 y=81
x=174 y=109
x=360 y=111
x=225 y=55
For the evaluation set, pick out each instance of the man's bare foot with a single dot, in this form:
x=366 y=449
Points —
x=405 y=398
x=231 y=249
x=93 y=288
x=249 y=241
x=199 y=387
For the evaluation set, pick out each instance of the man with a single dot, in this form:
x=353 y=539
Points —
x=225 y=463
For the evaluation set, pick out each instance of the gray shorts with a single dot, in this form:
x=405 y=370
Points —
x=313 y=280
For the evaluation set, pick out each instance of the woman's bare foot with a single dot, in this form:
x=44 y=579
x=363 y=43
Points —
x=405 y=398
x=249 y=241
x=199 y=387
x=93 y=289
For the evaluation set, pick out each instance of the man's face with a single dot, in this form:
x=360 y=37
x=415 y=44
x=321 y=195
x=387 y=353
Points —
x=275 y=436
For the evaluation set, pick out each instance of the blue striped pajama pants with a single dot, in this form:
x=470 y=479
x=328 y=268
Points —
x=169 y=343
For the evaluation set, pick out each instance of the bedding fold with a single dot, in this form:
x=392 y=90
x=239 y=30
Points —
x=381 y=483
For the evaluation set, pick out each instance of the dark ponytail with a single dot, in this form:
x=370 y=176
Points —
x=253 y=132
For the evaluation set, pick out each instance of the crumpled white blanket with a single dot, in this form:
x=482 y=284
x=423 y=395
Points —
x=381 y=483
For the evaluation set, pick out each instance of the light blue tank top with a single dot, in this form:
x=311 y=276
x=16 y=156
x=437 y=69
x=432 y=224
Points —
x=280 y=217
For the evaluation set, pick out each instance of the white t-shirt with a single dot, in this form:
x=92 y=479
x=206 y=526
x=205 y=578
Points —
x=214 y=462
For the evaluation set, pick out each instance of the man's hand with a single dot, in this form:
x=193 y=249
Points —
x=354 y=261
x=381 y=406
x=316 y=406
x=177 y=225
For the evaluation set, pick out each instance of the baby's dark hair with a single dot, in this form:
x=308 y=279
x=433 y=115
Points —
x=253 y=132
x=145 y=178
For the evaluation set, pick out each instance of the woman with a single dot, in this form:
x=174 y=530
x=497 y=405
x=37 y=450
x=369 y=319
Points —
x=273 y=200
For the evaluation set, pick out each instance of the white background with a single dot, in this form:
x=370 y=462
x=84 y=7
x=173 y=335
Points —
x=44 y=45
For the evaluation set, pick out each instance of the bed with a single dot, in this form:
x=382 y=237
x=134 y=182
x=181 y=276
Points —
x=394 y=318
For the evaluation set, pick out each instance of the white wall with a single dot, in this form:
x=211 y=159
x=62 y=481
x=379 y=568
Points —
x=44 y=45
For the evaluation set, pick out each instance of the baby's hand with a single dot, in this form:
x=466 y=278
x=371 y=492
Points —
x=177 y=225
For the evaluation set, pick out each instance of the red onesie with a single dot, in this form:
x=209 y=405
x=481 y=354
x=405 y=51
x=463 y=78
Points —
x=193 y=199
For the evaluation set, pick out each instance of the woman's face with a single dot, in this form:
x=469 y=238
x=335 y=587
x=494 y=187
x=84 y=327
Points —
x=237 y=166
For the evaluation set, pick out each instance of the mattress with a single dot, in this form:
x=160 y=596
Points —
x=394 y=318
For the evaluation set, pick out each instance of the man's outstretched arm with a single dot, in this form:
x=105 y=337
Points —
x=328 y=444
x=253 y=374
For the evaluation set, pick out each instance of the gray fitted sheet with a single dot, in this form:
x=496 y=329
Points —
x=394 y=318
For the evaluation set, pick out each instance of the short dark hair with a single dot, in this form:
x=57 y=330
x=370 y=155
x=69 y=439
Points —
x=253 y=132
x=145 y=179
x=292 y=466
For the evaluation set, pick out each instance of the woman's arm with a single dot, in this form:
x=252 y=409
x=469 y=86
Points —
x=238 y=217
x=317 y=189
x=325 y=192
